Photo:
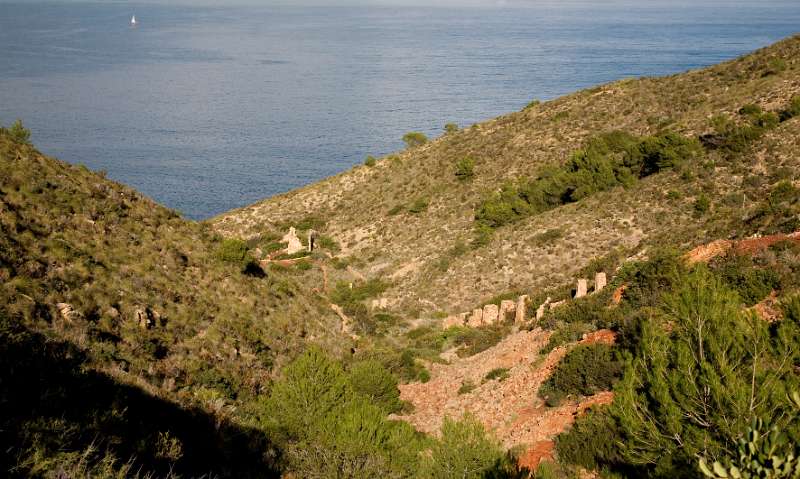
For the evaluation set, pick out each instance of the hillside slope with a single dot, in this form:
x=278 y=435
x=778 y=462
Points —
x=410 y=221
x=136 y=322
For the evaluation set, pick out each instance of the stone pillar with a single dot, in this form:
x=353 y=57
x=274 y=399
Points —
x=476 y=319
x=583 y=288
x=450 y=321
x=490 y=313
x=522 y=304
x=542 y=307
x=600 y=281
x=507 y=308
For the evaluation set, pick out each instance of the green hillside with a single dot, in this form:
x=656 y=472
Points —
x=135 y=343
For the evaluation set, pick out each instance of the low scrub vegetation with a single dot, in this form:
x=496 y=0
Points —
x=607 y=161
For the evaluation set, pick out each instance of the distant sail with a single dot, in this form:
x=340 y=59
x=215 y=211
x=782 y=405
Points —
x=133 y=20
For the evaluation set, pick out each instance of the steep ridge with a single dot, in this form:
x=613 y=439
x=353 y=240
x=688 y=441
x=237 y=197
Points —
x=410 y=220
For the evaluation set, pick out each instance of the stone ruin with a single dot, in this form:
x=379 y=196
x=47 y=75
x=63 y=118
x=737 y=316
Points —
x=312 y=240
x=293 y=244
x=509 y=310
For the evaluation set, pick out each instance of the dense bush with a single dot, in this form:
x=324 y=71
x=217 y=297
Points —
x=330 y=429
x=591 y=441
x=608 y=160
x=418 y=206
x=450 y=128
x=371 y=380
x=752 y=283
x=18 y=133
x=464 y=451
x=792 y=110
x=465 y=168
x=585 y=370
x=702 y=373
x=370 y=161
x=414 y=138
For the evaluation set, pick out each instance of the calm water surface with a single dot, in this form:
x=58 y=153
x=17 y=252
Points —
x=208 y=109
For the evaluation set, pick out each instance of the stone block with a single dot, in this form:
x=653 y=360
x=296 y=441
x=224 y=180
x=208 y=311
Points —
x=507 y=308
x=521 y=310
x=476 y=319
x=491 y=314
x=582 y=289
x=600 y=281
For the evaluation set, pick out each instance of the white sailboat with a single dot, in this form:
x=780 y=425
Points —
x=133 y=21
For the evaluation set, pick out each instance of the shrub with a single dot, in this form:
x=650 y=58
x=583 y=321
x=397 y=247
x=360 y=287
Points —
x=501 y=374
x=465 y=168
x=19 y=133
x=586 y=370
x=450 y=128
x=703 y=370
x=580 y=445
x=413 y=139
x=234 y=251
x=371 y=380
x=764 y=452
x=464 y=450
x=532 y=104
x=606 y=161
x=418 y=206
x=753 y=284
x=702 y=204
x=370 y=161
x=466 y=387
x=792 y=110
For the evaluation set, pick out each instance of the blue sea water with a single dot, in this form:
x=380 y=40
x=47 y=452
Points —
x=211 y=108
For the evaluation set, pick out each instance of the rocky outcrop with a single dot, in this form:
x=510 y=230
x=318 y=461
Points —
x=707 y=252
x=67 y=312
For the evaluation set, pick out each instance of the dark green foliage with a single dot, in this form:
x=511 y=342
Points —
x=779 y=212
x=566 y=333
x=351 y=298
x=330 y=424
x=232 y=251
x=763 y=453
x=465 y=168
x=370 y=161
x=752 y=283
x=418 y=206
x=371 y=380
x=701 y=373
x=585 y=370
x=464 y=451
x=413 y=139
x=591 y=441
x=607 y=161
x=792 y=110
x=466 y=387
x=500 y=374
x=702 y=204
x=18 y=133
